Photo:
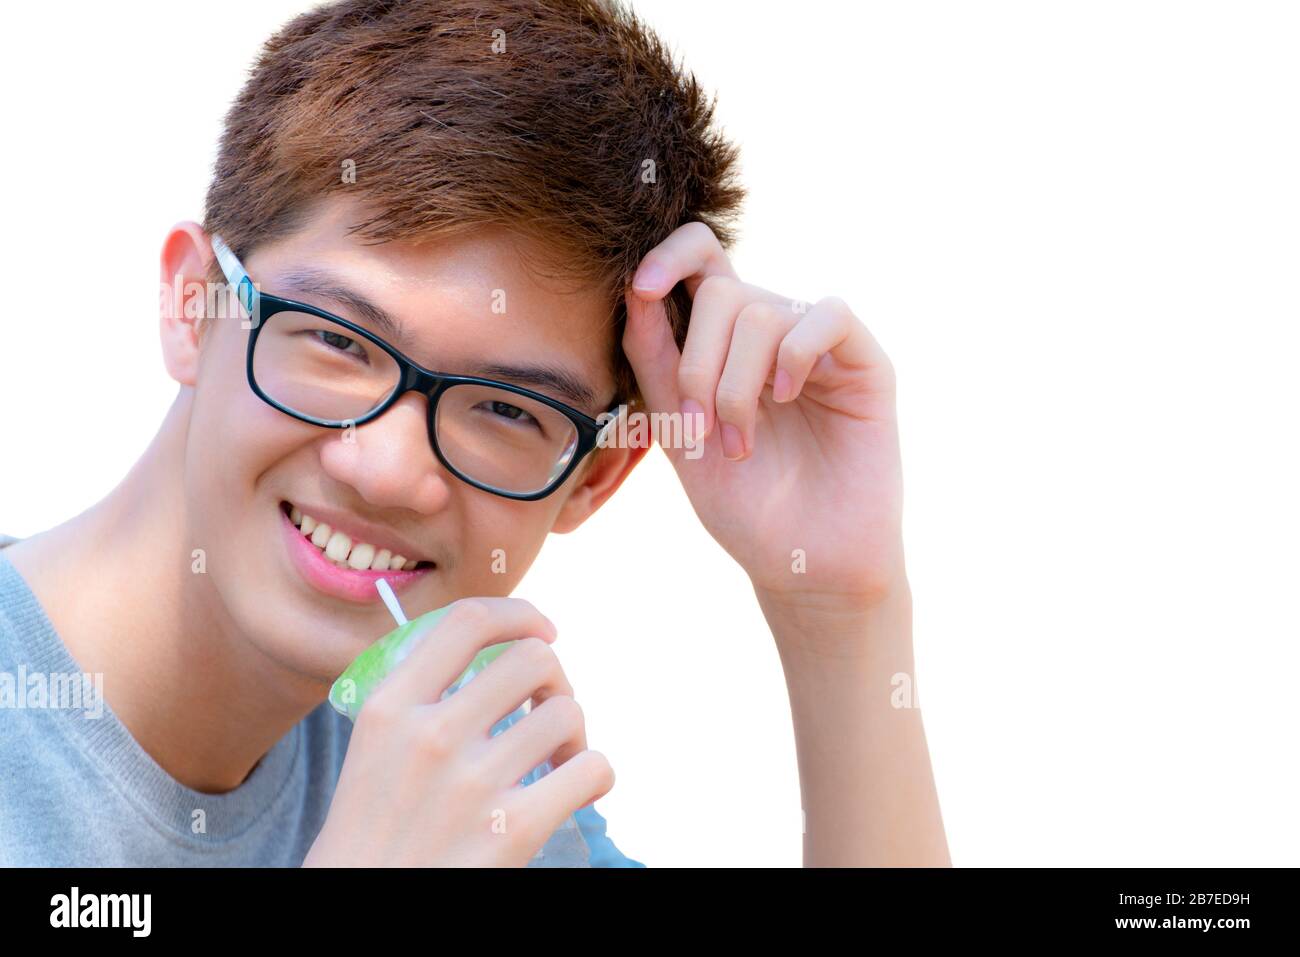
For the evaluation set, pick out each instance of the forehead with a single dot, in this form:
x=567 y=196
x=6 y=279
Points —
x=466 y=303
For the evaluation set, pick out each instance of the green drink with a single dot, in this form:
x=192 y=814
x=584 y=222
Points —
x=370 y=667
x=566 y=847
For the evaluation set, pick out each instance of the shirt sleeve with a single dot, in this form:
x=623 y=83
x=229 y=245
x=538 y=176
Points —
x=603 y=851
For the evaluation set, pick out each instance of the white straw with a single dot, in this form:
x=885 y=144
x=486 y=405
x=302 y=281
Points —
x=390 y=600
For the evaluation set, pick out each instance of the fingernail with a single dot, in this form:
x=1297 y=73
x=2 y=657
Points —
x=693 y=425
x=781 y=386
x=733 y=445
x=649 y=278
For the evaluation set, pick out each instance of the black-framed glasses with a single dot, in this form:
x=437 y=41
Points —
x=321 y=368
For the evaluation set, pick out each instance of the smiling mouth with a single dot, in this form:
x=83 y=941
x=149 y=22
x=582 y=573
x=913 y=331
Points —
x=340 y=549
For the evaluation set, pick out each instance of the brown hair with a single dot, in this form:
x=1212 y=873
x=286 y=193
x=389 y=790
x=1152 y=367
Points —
x=549 y=137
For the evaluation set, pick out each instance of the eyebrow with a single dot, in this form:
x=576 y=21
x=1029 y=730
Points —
x=311 y=281
x=545 y=376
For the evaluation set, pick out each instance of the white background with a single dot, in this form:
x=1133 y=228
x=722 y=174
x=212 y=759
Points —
x=1075 y=229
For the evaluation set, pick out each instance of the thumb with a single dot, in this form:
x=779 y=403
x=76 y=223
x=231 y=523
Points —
x=652 y=352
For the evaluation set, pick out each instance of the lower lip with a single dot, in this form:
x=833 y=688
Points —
x=346 y=583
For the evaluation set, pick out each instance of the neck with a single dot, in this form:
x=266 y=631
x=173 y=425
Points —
x=119 y=584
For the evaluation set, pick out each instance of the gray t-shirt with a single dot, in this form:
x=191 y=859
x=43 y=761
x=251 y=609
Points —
x=76 y=789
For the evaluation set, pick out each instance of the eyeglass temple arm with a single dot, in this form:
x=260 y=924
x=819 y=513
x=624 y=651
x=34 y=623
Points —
x=235 y=273
x=607 y=422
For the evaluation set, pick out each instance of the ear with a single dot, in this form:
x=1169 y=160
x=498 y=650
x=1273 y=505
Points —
x=186 y=253
x=605 y=471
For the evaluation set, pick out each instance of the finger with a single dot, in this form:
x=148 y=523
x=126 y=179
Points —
x=528 y=669
x=690 y=254
x=760 y=327
x=442 y=655
x=652 y=353
x=556 y=731
x=830 y=328
x=584 y=779
x=718 y=301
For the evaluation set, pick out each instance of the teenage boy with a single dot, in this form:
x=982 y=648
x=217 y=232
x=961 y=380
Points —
x=462 y=232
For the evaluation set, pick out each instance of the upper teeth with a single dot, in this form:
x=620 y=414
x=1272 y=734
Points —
x=341 y=548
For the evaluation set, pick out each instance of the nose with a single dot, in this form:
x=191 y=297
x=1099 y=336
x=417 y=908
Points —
x=389 y=461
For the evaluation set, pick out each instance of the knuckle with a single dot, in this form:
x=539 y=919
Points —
x=692 y=373
x=730 y=400
x=794 y=353
x=468 y=612
x=379 y=711
x=567 y=711
x=715 y=285
x=433 y=737
x=757 y=316
x=532 y=611
x=654 y=259
x=836 y=306
x=698 y=228
x=536 y=650
x=528 y=607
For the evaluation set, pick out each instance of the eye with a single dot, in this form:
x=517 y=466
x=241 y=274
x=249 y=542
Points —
x=340 y=342
x=512 y=412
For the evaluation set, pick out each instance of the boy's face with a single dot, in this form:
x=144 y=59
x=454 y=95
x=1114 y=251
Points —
x=246 y=462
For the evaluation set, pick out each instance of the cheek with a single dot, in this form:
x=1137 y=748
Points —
x=234 y=439
x=502 y=540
